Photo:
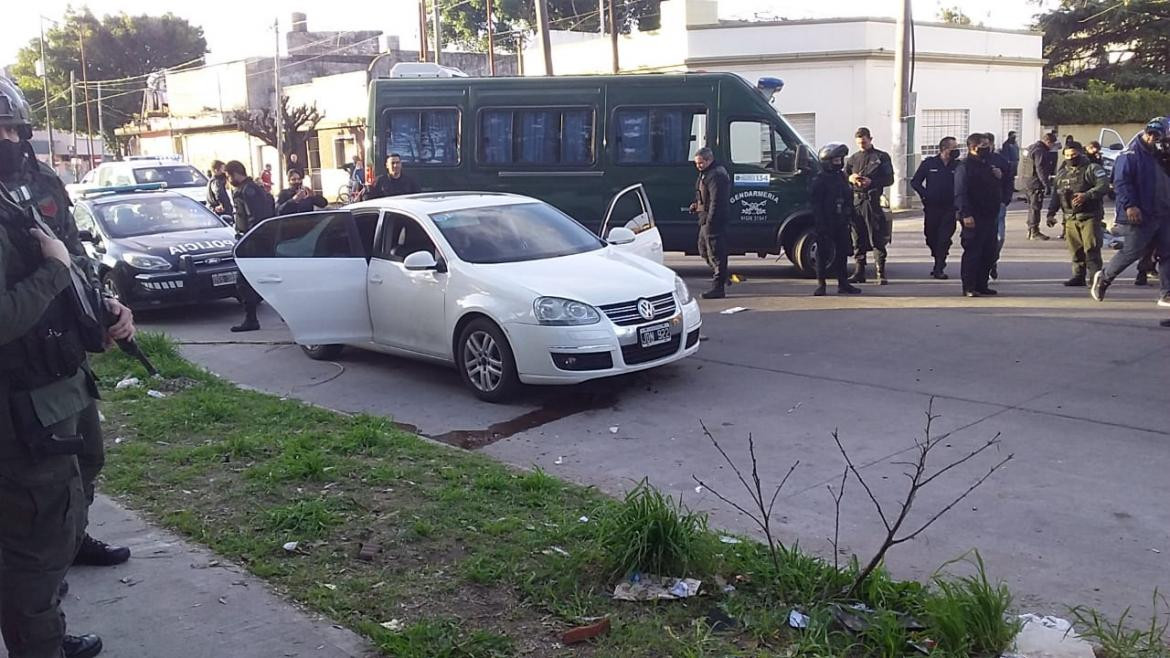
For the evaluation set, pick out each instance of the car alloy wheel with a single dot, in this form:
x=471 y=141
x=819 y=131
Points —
x=483 y=362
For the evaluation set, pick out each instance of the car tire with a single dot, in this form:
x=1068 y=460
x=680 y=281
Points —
x=806 y=253
x=485 y=361
x=322 y=352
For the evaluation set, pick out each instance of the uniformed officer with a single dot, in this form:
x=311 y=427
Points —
x=1079 y=192
x=253 y=205
x=870 y=171
x=935 y=184
x=44 y=389
x=832 y=205
x=978 y=196
x=218 y=198
x=36 y=187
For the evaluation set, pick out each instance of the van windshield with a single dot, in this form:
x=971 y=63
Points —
x=514 y=233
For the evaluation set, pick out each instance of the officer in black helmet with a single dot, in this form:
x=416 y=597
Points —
x=48 y=322
x=832 y=204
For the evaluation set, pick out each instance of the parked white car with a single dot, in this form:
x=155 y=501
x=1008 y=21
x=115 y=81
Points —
x=175 y=175
x=506 y=288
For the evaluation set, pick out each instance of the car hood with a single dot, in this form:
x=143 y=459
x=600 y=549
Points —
x=173 y=245
x=604 y=276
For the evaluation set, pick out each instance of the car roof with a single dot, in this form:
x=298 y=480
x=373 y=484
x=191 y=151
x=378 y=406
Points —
x=101 y=199
x=144 y=164
x=437 y=202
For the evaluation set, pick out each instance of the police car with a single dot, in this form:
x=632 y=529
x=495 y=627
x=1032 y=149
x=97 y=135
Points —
x=156 y=247
x=169 y=171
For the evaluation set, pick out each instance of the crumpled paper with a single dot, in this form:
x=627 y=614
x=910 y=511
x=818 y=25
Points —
x=656 y=588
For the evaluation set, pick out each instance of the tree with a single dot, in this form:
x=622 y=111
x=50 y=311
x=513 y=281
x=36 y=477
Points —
x=465 y=23
x=120 y=49
x=1123 y=42
x=953 y=16
x=298 y=122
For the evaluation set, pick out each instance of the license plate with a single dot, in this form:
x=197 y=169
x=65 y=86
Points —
x=223 y=279
x=655 y=334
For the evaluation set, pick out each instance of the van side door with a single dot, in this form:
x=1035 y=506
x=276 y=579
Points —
x=762 y=163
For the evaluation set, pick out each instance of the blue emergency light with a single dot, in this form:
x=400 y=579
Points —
x=123 y=189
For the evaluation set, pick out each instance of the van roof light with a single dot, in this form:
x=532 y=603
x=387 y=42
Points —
x=425 y=70
x=769 y=87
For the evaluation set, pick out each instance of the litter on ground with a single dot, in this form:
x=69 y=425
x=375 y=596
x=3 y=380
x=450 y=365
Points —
x=733 y=310
x=656 y=588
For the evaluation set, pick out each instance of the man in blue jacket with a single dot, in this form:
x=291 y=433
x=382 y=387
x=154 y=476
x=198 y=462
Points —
x=1141 y=181
x=935 y=184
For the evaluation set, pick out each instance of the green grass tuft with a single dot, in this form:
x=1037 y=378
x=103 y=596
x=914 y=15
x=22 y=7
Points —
x=650 y=533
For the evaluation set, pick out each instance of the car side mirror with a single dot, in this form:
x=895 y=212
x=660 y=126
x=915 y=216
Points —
x=86 y=236
x=800 y=162
x=620 y=235
x=420 y=261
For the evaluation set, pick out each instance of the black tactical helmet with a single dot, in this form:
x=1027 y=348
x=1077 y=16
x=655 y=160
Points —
x=832 y=151
x=14 y=109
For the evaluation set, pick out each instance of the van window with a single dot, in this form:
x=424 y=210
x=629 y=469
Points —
x=536 y=136
x=424 y=137
x=759 y=143
x=659 y=136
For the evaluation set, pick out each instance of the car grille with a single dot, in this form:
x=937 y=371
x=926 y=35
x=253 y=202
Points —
x=626 y=313
x=213 y=260
x=635 y=354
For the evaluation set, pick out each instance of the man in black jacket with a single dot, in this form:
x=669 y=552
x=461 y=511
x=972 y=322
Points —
x=935 y=184
x=832 y=205
x=253 y=205
x=1037 y=168
x=1007 y=184
x=978 y=196
x=218 y=198
x=870 y=171
x=713 y=206
x=394 y=182
x=297 y=198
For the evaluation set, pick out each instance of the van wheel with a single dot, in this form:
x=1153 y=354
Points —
x=485 y=361
x=806 y=253
x=322 y=352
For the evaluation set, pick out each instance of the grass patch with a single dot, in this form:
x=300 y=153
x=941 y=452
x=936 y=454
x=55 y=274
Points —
x=477 y=559
x=1124 y=639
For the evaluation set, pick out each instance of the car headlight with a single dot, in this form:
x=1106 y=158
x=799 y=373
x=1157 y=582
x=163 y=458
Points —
x=564 y=312
x=145 y=261
x=682 y=291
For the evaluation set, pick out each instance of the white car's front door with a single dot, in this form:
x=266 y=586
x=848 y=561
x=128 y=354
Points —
x=312 y=269
x=408 y=307
x=630 y=209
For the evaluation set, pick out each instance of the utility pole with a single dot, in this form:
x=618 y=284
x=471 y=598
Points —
x=101 y=123
x=545 y=40
x=613 y=37
x=900 y=109
x=45 y=83
x=422 y=31
x=278 y=108
x=519 y=53
x=85 y=90
x=73 y=122
x=491 y=41
x=438 y=34
x=601 y=17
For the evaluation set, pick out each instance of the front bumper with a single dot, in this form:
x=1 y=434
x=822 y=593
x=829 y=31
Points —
x=571 y=355
x=187 y=285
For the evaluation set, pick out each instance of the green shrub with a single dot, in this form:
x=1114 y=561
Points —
x=970 y=614
x=1103 y=103
x=650 y=533
x=1118 y=640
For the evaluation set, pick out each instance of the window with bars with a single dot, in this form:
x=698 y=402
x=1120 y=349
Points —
x=933 y=125
x=1012 y=119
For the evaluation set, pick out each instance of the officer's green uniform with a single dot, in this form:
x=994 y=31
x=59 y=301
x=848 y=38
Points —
x=1084 y=226
x=42 y=505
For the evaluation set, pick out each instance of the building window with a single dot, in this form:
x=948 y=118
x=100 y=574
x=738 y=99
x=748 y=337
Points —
x=805 y=125
x=933 y=125
x=1012 y=119
x=659 y=136
x=543 y=137
x=424 y=137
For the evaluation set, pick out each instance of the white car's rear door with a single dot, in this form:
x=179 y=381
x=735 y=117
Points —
x=312 y=269
x=630 y=208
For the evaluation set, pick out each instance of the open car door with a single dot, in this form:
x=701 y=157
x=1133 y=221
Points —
x=630 y=209
x=311 y=268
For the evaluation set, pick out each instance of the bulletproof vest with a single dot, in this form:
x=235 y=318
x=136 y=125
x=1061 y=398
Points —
x=52 y=349
x=1075 y=179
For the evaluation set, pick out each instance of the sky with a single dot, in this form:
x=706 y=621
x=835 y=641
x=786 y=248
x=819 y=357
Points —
x=237 y=29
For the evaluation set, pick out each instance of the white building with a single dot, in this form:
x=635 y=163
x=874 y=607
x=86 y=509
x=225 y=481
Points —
x=838 y=73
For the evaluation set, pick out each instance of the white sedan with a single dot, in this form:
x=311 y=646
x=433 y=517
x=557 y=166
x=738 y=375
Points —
x=506 y=288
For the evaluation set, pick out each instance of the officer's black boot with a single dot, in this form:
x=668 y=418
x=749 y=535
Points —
x=843 y=288
x=718 y=292
x=1077 y=281
x=1035 y=234
x=81 y=646
x=820 y=291
x=96 y=553
x=880 y=265
x=250 y=322
x=858 y=270
x=1142 y=278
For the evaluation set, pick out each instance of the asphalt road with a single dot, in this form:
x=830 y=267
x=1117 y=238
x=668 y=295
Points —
x=1077 y=390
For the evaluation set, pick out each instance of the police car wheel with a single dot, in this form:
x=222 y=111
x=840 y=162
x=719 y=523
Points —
x=322 y=352
x=485 y=361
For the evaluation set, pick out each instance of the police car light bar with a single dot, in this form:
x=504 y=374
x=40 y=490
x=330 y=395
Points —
x=123 y=189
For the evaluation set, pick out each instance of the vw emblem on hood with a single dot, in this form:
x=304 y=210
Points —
x=646 y=309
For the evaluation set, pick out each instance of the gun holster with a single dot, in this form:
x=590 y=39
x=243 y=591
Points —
x=40 y=441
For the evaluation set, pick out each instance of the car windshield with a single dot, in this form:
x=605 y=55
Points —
x=172 y=175
x=150 y=215
x=513 y=233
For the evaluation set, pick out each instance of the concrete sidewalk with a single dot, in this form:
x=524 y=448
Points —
x=177 y=600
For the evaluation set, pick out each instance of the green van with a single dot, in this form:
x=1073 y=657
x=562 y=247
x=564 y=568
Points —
x=576 y=141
